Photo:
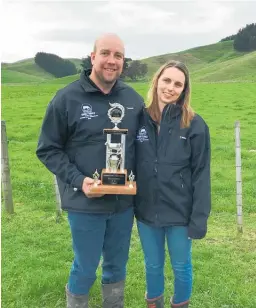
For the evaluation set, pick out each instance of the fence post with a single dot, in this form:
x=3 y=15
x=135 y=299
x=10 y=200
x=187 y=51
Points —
x=58 y=200
x=6 y=178
x=238 y=178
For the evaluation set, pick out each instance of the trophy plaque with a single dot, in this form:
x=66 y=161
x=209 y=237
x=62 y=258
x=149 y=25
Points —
x=114 y=176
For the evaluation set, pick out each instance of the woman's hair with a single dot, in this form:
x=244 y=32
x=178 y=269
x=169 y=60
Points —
x=183 y=101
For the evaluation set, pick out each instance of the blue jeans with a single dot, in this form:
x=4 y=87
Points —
x=94 y=235
x=179 y=247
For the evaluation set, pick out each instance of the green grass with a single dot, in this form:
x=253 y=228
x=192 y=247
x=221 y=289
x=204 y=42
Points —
x=241 y=68
x=9 y=76
x=215 y=62
x=65 y=80
x=36 y=252
x=29 y=67
x=218 y=52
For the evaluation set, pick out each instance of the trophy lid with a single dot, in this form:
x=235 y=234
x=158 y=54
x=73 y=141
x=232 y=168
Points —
x=116 y=113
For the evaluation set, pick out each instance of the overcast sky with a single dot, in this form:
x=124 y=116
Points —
x=148 y=28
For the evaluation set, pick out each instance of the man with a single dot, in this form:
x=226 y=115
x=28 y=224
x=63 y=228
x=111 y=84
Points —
x=72 y=146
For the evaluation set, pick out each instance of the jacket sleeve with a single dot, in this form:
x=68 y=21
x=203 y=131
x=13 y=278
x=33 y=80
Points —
x=51 y=145
x=200 y=163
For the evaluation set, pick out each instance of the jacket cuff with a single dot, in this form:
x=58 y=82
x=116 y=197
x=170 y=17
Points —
x=195 y=233
x=78 y=182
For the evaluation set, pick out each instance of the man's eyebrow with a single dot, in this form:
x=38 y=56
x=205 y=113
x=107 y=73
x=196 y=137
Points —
x=104 y=50
x=116 y=53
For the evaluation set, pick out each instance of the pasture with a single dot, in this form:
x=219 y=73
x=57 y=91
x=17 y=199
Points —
x=36 y=251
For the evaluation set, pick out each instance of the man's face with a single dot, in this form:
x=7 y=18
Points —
x=108 y=60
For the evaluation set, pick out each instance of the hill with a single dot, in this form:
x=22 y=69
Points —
x=28 y=66
x=241 y=68
x=11 y=76
x=208 y=60
x=210 y=63
x=65 y=80
x=77 y=62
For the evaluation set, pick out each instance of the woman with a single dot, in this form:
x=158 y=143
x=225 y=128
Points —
x=173 y=177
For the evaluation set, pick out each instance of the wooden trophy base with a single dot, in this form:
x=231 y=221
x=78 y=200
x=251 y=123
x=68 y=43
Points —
x=114 y=184
x=113 y=189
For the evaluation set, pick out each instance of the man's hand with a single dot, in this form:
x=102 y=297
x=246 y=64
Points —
x=87 y=183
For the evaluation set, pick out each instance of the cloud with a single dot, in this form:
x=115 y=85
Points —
x=69 y=28
x=137 y=18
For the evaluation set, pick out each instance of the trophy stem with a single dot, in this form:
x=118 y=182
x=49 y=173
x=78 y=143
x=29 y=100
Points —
x=107 y=152
x=123 y=136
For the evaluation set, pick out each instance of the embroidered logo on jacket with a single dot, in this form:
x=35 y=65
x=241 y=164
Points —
x=142 y=135
x=87 y=112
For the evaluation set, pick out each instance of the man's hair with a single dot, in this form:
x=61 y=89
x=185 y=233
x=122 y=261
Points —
x=101 y=37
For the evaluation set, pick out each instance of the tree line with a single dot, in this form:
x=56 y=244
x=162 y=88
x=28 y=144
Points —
x=59 y=67
x=245 y=39
x=55 y=65
x=133 y=69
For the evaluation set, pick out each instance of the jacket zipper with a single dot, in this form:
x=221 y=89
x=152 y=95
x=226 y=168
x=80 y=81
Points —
x=166 y=145
x=182 y=180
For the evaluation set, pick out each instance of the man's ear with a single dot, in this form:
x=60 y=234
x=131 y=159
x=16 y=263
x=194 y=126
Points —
x=92 y=57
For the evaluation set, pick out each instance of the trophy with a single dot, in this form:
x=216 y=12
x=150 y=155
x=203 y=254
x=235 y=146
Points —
x=114 y=176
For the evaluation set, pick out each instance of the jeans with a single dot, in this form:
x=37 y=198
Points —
x=179 y=247
x=94 y=235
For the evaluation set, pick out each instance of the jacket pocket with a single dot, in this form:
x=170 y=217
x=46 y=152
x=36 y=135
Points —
x=90 y=157
x=185 y=181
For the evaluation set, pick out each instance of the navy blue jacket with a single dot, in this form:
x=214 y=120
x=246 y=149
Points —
x=173 y=172
x=72 y=143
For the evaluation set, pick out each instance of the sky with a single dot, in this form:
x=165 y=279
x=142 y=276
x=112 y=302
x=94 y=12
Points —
x=148 y=28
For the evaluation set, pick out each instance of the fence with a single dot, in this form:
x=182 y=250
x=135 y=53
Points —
x=7 y=187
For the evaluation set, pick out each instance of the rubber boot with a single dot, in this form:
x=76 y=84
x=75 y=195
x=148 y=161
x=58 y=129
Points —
x=113 y=295
x=180 y=305
x=76 y=301
x=157 y=302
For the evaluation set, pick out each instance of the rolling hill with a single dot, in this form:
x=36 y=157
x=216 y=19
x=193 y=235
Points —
x=27 y=66
x=210 y=63
x=28 y=71
x=207 y=59
x=12 y=76
x=242 y=68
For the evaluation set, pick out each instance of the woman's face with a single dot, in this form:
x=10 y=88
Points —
x=170 y=85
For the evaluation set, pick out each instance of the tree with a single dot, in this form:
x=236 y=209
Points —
x=125 y=67
x=143 y=69
x=86 y=63
x=228 y=38
x=136 y=70
x=55 y=65
x=245 y=39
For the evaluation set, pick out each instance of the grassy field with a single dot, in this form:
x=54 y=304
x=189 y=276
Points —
x=28 y=66
x=36 y=251
x=10 y=76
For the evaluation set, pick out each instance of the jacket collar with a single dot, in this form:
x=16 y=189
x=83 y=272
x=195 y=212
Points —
x=89 y=86
x=169 y=112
